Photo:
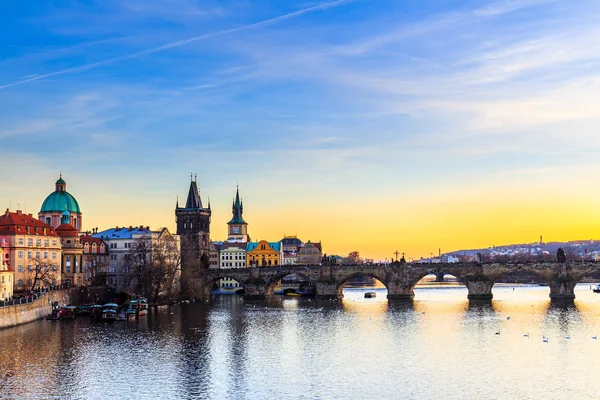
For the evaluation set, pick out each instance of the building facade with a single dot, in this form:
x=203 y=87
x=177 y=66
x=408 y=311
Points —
x=6 y=279
x=33 y=249
x=71 y=268
x=289 y=248
x=310 y=254
x=214 y=258
x=57 y=203
x=232 y=255
x=95 y=261
x=123 y=242
x=263 y=254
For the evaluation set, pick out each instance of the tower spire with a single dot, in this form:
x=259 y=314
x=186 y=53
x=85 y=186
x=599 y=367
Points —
x=193 y=198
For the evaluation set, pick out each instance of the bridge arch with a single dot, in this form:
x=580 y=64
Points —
x=274 y=279
x=226 y=284
x=344 y=280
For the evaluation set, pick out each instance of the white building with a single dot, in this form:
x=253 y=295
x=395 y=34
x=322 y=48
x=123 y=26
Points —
x=122 y=241
x=232 y=255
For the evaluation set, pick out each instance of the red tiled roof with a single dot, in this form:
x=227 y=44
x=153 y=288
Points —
x=23 y=224
x=64 y=230
x=91 y=240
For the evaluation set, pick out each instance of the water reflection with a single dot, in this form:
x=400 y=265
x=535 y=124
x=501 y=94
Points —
x=439 y=346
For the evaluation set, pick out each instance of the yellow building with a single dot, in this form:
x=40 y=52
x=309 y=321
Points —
x=6 y=279
x=33 y=249
x=263 y=254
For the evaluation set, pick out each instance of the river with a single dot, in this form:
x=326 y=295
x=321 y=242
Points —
x=436 y=347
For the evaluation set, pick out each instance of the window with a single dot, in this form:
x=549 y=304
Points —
x=20 y=254
x=48 y=221
x=54 y=243
x=29 y=268
x=46 y=243
x=38 y=242
x=20 y=268
x=45 y=254
x=29 y=242
x=54 y=255
x=21 y=241
x=37 y=254
x=29 y=254
x=54 y=268
x=20 y=282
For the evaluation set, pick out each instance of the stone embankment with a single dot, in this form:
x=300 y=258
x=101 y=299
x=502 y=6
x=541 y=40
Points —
x=27 y=312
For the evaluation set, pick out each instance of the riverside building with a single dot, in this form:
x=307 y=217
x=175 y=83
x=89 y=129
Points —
x=33 y=249
x=6 y=279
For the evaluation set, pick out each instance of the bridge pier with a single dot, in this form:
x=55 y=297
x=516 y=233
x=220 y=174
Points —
x=562 y=289
x=327 y=290
x=479 y=289
x=255 y=289
x=399 y=290
x=439 y=277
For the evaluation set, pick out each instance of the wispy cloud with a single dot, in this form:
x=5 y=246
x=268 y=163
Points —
x=178 y=43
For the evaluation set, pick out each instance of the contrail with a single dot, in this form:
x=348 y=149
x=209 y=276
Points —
x=177 y=44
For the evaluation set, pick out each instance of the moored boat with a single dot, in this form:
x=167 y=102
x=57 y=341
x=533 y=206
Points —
x=66 y=312
x=596 y=289
x=370 y=295
x=85 y=309
x=109 y=312
x=137 y=307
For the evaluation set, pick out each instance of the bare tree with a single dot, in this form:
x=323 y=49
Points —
x=138 y=264
x=353 y=258
x=42 y=273
x=166 y=268
x=153 y=267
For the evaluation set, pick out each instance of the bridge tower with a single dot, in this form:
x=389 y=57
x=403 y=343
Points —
x=193 y=226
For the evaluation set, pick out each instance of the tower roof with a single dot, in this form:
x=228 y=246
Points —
x=237 y=210
x=60 y=200
x=193 y=198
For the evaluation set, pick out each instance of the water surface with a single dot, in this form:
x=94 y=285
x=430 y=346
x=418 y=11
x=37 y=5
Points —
x=437 y=347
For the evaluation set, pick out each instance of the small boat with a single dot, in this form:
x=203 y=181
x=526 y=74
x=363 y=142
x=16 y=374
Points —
x=137 y=308
x=142 y=307
x=293 y=294
x=596 y=289
x=66 y=312
x=370 y=295
x=109 y=312
x=85 y=309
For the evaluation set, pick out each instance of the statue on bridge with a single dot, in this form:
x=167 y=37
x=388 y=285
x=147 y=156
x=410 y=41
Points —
x=560 y=256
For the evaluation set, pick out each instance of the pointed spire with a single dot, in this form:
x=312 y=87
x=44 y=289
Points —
x=193 y=199
x=237 y=209
x=177 y=205
x=209 y=203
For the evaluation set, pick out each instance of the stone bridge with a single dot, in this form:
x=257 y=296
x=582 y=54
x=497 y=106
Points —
x=400 y=278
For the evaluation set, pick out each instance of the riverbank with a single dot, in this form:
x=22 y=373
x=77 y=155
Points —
x=20 y=314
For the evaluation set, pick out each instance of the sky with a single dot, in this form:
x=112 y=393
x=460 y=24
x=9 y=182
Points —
x=369 y=125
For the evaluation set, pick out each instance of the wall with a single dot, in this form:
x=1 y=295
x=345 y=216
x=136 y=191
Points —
x=24 y=313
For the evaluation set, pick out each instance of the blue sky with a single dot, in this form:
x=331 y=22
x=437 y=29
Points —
x=349 y=107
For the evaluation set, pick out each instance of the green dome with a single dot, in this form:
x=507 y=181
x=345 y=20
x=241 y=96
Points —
x=59 y=202
x=60 y=181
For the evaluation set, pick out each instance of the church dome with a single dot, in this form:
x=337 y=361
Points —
x=60 y=200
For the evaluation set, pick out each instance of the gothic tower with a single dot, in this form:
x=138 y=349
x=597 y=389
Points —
x=193 y=227
x=237 y=230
